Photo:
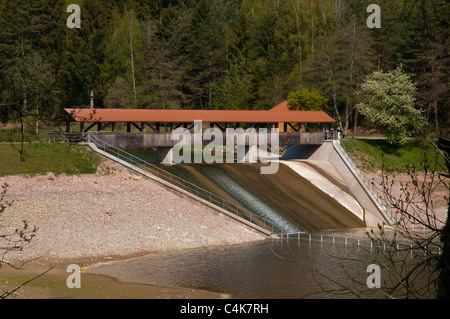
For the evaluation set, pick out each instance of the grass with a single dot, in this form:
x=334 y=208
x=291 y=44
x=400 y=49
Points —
x=371 y=154
x=14 y=135
x=58 y=158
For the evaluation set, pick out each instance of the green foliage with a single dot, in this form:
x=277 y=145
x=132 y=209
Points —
x=387 y=101
x=239 y=54
x=372 y=154
x=122 y=59
x=306 y=100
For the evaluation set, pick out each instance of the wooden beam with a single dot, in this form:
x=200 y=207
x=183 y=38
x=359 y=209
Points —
x=89 y=127
x=150 y=126
x=101 y=128
x=136 y=126
x=295 y=129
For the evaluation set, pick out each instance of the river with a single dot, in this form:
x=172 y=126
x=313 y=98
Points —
x=271 y=269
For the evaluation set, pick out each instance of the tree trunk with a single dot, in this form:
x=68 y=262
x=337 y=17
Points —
x=296 y=9
x=355 y=122
x=347 y=119
x=336 y=109
x=22 y=138
x=312 y=30
x=92 y=99
x=436 y=120
x=132 y=66
x=37 y=120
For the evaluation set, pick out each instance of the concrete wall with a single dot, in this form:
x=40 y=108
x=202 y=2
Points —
x=374 y=214
x=130 y=140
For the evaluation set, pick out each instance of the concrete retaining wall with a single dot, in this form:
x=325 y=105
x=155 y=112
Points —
x=373 y=212
x=142 y=140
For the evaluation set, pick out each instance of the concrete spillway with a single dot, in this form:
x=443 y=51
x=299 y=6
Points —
x=287 y=198
x=315 y=189
x=375 y=213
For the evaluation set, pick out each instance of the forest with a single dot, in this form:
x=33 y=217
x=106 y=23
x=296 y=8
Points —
x=218 y=54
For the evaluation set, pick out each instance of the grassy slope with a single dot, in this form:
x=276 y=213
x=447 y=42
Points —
x=370 y=154
x=43 y=158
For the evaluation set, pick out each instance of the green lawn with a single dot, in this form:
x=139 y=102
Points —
x=14 y=135
x=58 y=158
x=370 y=154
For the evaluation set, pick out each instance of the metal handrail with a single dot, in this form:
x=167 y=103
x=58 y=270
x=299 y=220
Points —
x=183 y=184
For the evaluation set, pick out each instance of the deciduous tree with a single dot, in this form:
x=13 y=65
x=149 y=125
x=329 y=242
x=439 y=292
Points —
x=387 y=101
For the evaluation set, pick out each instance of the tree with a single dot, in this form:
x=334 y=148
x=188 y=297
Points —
x=341 y=61
x=84 y=56
x=306 y=100
x=11 y=241
x=419 y=225
x=162 y=73
x=27 y=78
x=424 y=51
x=387 y=101
x=123 y=52
x=233 y=91
x=204 y=58
x=443 y=282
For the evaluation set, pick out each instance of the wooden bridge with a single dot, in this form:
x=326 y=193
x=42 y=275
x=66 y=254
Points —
x=155 y=128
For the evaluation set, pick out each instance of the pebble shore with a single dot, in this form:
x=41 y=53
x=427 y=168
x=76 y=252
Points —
x=111 y=213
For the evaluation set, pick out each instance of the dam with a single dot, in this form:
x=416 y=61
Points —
x=287 y=198
x=315 y=185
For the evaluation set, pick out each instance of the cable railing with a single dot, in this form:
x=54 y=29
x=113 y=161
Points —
x=185 y=185
x=372 y=243
x=366 y=180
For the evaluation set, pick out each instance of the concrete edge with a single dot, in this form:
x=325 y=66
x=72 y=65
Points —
x=182 y=191
x=361 y=183
x=341 y=197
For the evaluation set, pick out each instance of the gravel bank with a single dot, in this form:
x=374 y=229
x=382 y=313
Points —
x=111 y=213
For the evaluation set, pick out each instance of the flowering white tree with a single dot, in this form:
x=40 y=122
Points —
x=387 y=101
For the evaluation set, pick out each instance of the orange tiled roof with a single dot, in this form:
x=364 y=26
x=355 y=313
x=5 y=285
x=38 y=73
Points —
x=275 y=115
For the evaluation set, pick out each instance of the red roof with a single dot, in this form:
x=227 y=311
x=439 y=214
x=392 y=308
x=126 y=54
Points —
x=282 y=107
x=189 y=116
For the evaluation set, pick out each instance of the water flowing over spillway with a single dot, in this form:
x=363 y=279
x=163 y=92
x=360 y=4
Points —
x=286 y=199
x=249 y=201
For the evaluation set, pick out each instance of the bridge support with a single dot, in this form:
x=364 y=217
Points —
x=164 y=155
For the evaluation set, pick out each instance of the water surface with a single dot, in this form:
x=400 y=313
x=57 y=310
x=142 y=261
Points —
x=270 y=269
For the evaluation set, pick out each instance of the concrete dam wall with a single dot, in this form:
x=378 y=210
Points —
x=290 y=200
x=314 y=189
x=329 y=151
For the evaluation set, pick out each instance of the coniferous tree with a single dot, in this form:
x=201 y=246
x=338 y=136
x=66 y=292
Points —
x=84 y=56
